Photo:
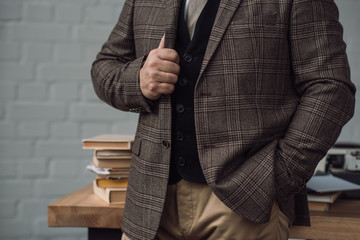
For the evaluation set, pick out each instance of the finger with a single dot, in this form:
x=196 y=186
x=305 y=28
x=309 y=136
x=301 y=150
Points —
x=162 y=42
x=168 y=55
x=163 y=88
x=163 y=77
x=169 y=67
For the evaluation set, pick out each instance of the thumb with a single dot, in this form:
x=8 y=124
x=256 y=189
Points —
x=162 y=42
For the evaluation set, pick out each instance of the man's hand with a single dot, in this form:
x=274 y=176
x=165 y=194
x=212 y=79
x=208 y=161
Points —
x=160 y=72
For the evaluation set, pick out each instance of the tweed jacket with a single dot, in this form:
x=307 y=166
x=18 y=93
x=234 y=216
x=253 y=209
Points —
x=273 y=94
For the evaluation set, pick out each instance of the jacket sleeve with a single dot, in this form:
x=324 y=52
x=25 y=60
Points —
x=115 y=72
x=322 y=79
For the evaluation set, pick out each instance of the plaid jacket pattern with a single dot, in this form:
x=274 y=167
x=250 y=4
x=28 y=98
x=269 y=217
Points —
x=272 y=96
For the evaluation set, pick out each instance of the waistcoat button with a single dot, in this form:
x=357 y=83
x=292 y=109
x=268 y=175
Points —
x=181 y=162
x=187 y=58
x=180 y=136
x=183 y=82
x=180 y=108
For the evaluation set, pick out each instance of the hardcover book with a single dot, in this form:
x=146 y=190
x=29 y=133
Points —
x=319 y=206
x=111 y=163
x=111 y=183
x=109 y=141
x=323 y=197
x=112 y=154
x=110 y=195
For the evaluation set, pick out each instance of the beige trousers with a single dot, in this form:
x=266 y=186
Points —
x=193 y=212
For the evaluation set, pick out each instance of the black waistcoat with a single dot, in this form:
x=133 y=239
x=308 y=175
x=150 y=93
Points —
x=184 y=156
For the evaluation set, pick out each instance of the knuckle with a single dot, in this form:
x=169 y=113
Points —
x=174 y=55
x=152 y=63
x=152 y=74
x=152 y=86
x=177 y=69
x=171 y=88
x=169 y=77
x=172 y=78
x=153 y=52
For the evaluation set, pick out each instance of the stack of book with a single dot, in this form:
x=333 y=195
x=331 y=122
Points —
x=111 y=164
x=323 y=190
x=321 y=201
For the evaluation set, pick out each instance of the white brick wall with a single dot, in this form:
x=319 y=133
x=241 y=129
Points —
x=47 y=104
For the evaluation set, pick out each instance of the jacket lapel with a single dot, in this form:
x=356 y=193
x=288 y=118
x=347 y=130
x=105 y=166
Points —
x=227 y=9
x=172 y=8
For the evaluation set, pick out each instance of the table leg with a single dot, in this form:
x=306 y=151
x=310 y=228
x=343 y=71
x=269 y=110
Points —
x=104 y=233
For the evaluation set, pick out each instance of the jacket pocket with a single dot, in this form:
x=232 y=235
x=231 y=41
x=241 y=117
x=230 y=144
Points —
x=287 y=183
x=136 y=146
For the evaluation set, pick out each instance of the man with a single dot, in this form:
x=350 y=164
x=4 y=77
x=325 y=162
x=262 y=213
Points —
x=238 y=101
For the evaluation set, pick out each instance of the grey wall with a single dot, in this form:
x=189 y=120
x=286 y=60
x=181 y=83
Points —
x=47 y=104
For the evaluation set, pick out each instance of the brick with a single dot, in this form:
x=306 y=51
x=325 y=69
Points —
x=41 y=31
x=125 y=127
x=69 y=12
x=82 y=2
x=7 y=209
x=10 y=11
x=101 y=14
x=30 y=208
x=69 y=52
x=93 y=33
x=65 y=168
x=65 y=130
x=118 y=3
x=91 y=50
x=346 y=9
x=10 y=51
x=33 y=169
x=88 y=93
x=2 y=110
x=7 y=130
x=10 y=71
x=8 y=169
x=80 y=236
x=87 y=175
x=15 y=148
x=96 y=111
x=7 y=91
x=59 y=187
x=37 y=238
x=12 y=189
x=60 y=148
x=34 y=91
x=38 y=52
x=33 y=129
x=15 y=228
x=93 y=129
x=350 y=133
x=354 y=62
x=37 y=111
x=6 y=31
x=72 y=72
x=39 y=12
x=65 y=92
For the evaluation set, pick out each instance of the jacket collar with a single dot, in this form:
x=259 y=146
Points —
x=227 y=9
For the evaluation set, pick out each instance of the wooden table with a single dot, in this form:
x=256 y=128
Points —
x=342 y=221
x=84 y=209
